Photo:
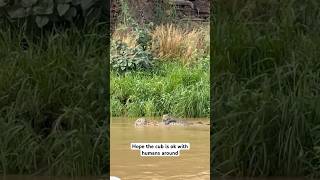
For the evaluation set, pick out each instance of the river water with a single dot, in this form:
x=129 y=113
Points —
x=128 y=164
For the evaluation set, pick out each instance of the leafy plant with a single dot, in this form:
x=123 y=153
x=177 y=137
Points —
x=144 y=37
x=44 y=11
x=138 y=57
x=127 y=59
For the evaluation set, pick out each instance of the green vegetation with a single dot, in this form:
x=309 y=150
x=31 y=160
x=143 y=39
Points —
x=266 y=96
x=52 y=117
x=169 y=88
x=159 y=69
x=41 y=12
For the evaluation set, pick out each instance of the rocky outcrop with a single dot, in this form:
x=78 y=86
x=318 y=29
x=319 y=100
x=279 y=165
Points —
x=199 y=9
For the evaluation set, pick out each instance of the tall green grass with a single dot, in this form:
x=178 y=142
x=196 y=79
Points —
x=52 y=117
x=169 y=88
x=266 y=95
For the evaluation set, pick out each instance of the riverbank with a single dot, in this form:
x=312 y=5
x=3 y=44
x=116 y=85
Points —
x=162 y=69
x=171 y=88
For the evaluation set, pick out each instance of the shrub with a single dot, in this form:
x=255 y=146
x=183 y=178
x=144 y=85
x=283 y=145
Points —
x=42 y=12
x=127 y=59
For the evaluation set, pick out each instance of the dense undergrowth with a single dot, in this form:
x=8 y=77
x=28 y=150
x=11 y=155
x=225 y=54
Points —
x=174 y=80
x=159 y=68
x=266 y=88
x=52 y=117
x=169 y=88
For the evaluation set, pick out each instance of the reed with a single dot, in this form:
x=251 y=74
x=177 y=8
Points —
x=265 y=89
x=52 y=119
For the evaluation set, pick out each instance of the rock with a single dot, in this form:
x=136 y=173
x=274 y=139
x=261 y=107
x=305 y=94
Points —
x=140 y=122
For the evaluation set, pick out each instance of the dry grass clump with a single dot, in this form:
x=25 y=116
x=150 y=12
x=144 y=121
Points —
x=126 y=35
x=171 y=42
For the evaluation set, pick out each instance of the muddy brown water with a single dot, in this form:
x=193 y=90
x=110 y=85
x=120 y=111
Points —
x=128 y=164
